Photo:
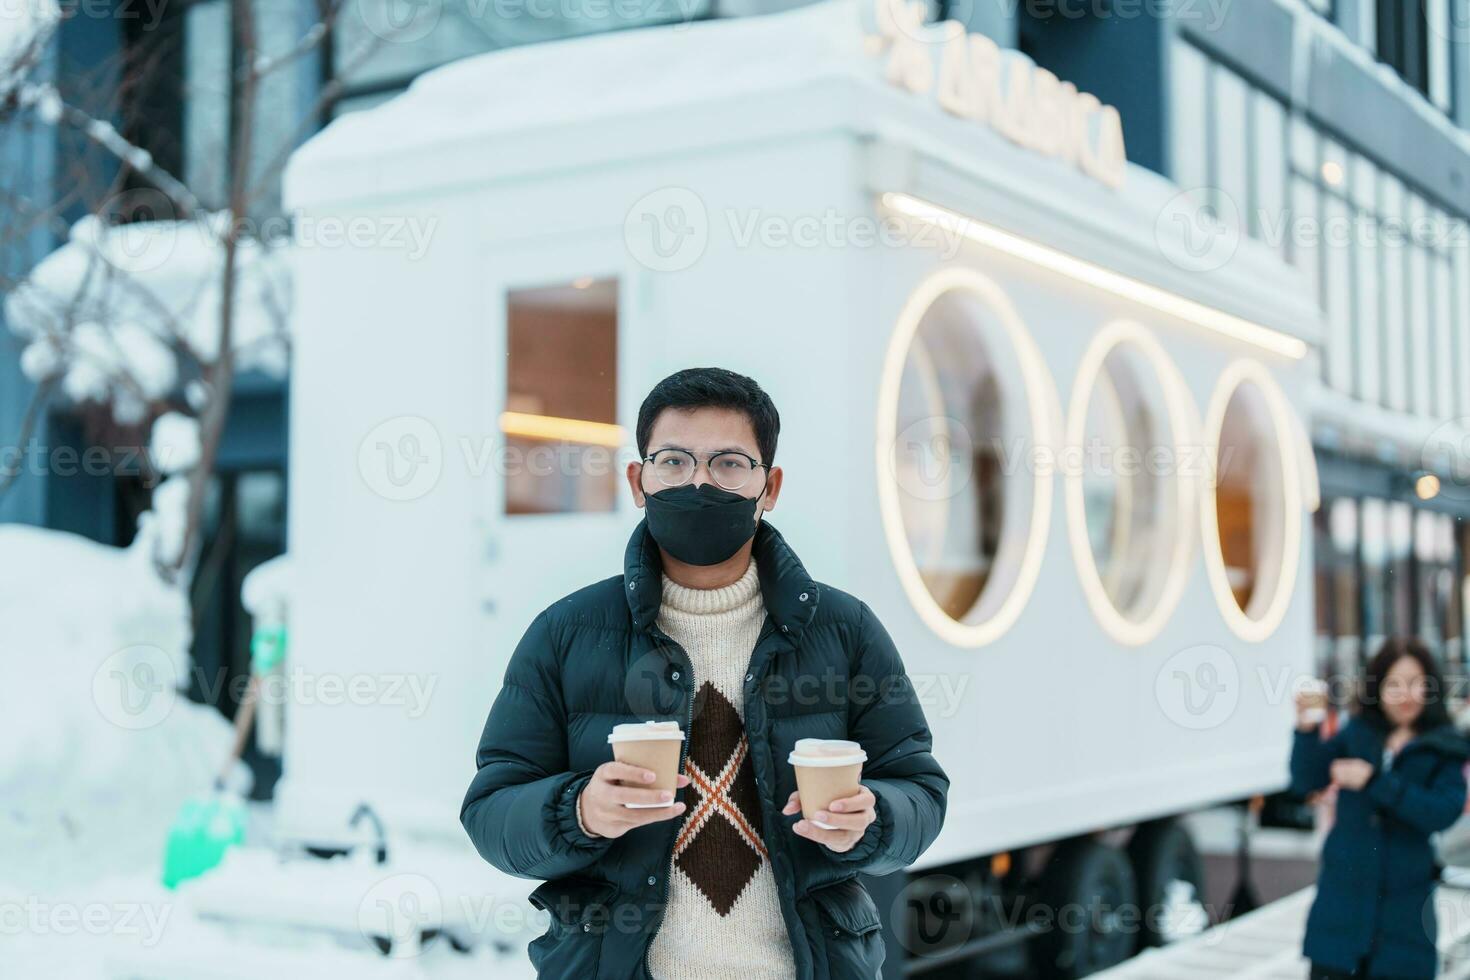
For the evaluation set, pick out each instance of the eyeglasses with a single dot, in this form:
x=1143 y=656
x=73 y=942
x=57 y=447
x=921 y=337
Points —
x=729 y=470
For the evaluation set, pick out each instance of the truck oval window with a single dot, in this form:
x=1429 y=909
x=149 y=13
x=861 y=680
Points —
x=1128 y=483
x=963 y=408
x=1250 y=512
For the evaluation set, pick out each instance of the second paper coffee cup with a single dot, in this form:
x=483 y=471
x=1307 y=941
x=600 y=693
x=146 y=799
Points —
x=827 y=769
x=1314 y=693
x=652 y=745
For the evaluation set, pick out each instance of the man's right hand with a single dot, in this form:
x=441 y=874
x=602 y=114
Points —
x=603 y=812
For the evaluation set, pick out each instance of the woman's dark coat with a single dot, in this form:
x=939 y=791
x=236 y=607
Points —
x=823 y=667
x=1375 y=888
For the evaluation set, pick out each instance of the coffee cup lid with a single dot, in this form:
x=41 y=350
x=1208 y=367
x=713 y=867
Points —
x=646 y=731
x=826 y=753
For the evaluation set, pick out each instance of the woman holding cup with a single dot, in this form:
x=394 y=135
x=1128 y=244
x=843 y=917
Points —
x=1398 y=768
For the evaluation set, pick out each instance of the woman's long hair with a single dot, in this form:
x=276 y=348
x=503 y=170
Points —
x=1370 y=700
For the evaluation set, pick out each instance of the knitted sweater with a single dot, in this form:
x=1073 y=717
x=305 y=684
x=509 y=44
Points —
x=723 y=920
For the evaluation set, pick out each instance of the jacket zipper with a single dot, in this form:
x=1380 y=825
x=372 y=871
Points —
x=683 y=756
x=791 y=920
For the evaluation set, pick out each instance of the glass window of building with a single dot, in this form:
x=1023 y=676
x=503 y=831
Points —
x=1444 y=330
x=1436 y=559
x=1403 y=40
x=560 y=419
x=1374 y=573
x=1456 y=653
x=1394 y=305
x=1339 y=645
x=1459 y=305
x=1399 y=580
x=381 y=45
x=1368 y=339
x=209 y=51
x=1385 y=567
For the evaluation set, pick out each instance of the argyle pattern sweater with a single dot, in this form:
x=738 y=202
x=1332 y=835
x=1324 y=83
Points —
x=723 y=920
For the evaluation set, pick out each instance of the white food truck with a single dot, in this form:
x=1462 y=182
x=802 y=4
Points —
x=1037 y=411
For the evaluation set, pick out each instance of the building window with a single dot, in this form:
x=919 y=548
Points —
x=1339 y=623
x=1403 y=40
x=1374 y=558
x=1385 y=567
x=152 y=88
x=560 y=418
x=209 y=55
x=381 y=45
x=1400 y=578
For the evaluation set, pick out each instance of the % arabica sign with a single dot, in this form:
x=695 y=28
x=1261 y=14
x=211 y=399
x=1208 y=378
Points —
x=975 y=80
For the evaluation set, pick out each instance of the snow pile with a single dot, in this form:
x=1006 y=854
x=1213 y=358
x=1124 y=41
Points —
x=131 y=926
x=174 y=446
x=25 y=25
x=266 y=591
x=100 y=746
x=111 y=312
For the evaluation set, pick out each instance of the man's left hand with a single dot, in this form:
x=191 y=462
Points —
x=850 y=816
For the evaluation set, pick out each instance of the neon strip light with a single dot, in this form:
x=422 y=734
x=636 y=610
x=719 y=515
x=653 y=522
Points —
x=1097 y=276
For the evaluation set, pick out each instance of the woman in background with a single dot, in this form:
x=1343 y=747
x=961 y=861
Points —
x=1398 y=765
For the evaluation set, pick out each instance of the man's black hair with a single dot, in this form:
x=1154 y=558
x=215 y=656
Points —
x=1370 y=699
x=713 y=387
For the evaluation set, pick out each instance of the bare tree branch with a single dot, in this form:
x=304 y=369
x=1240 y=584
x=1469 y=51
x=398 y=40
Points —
x=34 y=413
x=221 y=374
x=329 y=93
x=47 y=100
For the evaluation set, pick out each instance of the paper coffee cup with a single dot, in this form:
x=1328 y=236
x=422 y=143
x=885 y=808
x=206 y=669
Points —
x=827 y=769
x=1313 y=692
x=651 y=745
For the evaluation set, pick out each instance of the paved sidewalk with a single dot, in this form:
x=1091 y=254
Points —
x=1266 y=944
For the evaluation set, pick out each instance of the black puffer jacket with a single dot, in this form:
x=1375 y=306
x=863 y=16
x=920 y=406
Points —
x=823 y=667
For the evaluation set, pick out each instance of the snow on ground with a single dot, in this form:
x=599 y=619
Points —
x=132 y=928
x=101 y=747
x=100 y=750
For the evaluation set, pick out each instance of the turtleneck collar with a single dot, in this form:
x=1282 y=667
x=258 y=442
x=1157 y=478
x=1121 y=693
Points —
x=704 y=602
x=789 y=595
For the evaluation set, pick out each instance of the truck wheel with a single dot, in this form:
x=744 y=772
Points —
x=1162 y=853
x=1090 y=898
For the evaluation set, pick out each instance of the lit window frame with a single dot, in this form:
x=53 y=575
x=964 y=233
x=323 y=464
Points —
x=1180 y=418
x=1039 y=395
x=1292 y=492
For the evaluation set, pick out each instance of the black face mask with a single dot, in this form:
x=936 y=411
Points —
x=701 y=525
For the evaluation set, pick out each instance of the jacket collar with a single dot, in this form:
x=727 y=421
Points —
x=789 y=594
x=1445 y=739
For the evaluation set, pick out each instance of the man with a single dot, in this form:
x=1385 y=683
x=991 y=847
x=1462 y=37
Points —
x=715 y=624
